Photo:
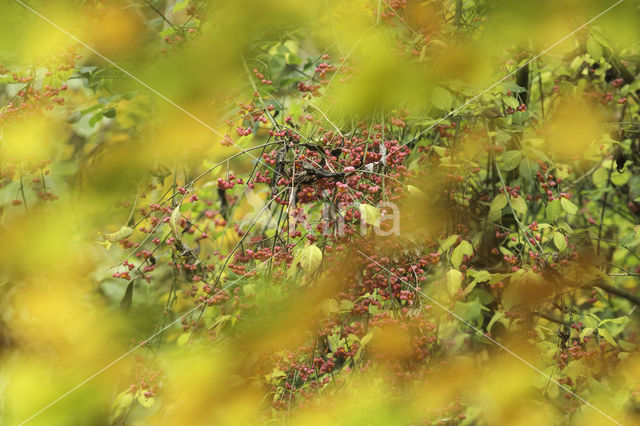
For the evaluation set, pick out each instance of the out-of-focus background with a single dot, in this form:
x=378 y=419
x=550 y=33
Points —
x=325 y=212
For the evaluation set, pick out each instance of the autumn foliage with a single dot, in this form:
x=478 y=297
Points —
x=327 y=212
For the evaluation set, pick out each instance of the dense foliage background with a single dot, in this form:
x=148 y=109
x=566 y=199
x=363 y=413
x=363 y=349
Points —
x=324 y=212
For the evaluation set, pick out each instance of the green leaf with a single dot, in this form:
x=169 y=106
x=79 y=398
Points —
x=519 y=204
x=470 y=311
x=180 y=5
x=513 y=87
x=95 y=118
x=334 y=341
x=480 y=276
x=559 y=241
x=454 y=280
x=620 y=179
x=109 y=113
x=511 y=102
x=600 y=177
x=519 y=117
x=594 y=49
x=496 y=317
x=562 y=225
x=293 y=59
x=528 y=168
x=458 y=253
x=511 y=159
x=554 y=210
x=446 y=244
x=568 y=206
x=276 y=64
x=499 y=202
x=441 y=99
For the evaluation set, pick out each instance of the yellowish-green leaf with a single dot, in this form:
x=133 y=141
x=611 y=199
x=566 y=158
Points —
x=600 y=177
x=454 y=281
x=183 y=339
x=446 y=244
x=124 y=232
x=559 y=241
x=499 y=202
x=587 y=331
x=441 y=99
x=594 y=49
x=310 y=258
x=415 y=191
x=519 y=204
x=554 y=210
x=144 y=401
x=553 y=391
x=494 y=215
x=174 y=222
x=330 y=306
x=607 y=336
x=275 y=377
x=366 y=339
x=441 y=151
x=181 y=4
x=496 y=317
x=370 y=214
x=121 y=403
x=511 y=159
x=105 y=244
x=568 y=206
x=619 y=179
x=458 y=253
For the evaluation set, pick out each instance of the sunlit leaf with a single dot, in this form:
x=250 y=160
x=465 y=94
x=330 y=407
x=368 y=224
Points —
x=454 y=281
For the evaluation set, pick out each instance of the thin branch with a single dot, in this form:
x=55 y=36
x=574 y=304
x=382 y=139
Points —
x=633 y=298
x=162 y=15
